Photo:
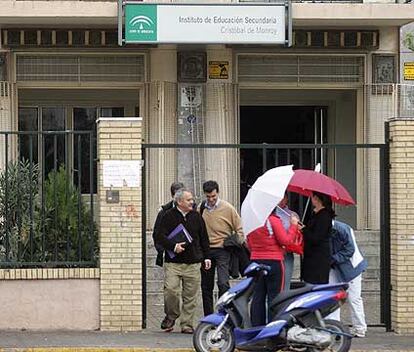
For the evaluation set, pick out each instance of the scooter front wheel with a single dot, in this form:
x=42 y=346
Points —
x=205 y=339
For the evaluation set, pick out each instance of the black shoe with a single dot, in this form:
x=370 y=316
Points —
x=187 y=331
x=167 y=324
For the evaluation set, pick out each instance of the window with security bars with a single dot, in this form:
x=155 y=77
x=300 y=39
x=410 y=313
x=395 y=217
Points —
x=301 y=68
x=84 y=119
x=75 y=151
x=3 y=68
x=49 y=150
x=80 y=68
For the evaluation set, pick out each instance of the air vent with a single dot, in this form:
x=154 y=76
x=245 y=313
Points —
x=301 y=68
x=61 y=38
x=80 y=68
x=302 y=38
x=351 y=39
x=46 y=37
x=30 y=37
x=336 y=39
x=12 y=38
x=95 y=38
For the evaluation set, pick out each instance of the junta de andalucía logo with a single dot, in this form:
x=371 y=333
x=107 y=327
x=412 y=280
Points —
x=144 y=23
x=141 y=23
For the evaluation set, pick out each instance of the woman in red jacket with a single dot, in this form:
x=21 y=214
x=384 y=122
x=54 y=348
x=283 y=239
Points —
x=266 y=247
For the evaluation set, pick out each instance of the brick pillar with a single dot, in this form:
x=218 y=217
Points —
x=402 y=224
x=119 y=140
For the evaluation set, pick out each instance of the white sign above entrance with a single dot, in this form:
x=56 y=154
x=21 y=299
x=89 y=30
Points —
x=203 y=23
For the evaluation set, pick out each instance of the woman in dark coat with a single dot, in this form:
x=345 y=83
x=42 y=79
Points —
x=316 y=234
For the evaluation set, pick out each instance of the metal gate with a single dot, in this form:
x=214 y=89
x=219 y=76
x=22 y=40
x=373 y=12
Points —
x=362 y=168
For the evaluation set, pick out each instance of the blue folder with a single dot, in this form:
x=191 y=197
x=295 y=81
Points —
x=178 y=235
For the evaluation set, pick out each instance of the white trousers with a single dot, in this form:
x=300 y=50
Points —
x=354 y=300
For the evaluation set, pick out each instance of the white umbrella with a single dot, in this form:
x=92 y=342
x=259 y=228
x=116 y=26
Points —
x=265 y=194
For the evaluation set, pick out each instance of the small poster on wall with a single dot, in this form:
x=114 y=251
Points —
x=218 y=69
x=409 y=71
x=122 y=173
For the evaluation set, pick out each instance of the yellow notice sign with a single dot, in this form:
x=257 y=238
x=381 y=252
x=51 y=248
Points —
x=218 y=69
x=409 y=71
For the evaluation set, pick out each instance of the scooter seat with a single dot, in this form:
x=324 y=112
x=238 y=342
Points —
x=292 y=293
x=303 y=287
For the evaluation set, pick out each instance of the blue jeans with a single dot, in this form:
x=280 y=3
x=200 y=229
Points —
x=266 y=290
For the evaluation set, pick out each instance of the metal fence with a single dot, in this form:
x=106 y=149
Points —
x=47 y=182
x=362 y=168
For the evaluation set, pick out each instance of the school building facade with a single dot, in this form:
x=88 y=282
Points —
x=336 y=82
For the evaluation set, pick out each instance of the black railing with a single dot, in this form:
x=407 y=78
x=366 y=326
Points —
x=47 y=184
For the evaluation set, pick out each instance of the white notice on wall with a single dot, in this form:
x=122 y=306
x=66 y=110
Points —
x=122 y=173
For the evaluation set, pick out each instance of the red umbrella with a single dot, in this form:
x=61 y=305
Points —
x=307 y=181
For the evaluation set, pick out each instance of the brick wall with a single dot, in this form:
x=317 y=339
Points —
x=120 y=230
x=402 y=224
x=48 y=274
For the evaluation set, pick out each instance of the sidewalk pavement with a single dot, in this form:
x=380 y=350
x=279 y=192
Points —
x=150 y=340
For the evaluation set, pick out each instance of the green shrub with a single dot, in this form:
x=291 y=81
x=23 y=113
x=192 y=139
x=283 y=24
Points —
x=18 y=208
x=54 y=228
x=72 y=236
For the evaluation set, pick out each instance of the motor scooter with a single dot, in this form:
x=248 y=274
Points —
x=296 y=321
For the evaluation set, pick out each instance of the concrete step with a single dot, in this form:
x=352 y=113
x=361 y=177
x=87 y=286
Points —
x=371 y=274
x=368 y=241
x=373 y=261
x=367 y=236
x=367 y=247
x=370 y=249
x=370 y=277
x=155 y=299
x=155 y=273
x=372 y=306
x=155 y=286
x=371 y=285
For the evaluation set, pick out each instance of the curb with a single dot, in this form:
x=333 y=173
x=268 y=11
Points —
x=144 y=349
x=94 y=349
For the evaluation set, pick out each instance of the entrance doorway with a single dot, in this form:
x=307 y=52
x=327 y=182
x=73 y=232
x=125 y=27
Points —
x=280 y=125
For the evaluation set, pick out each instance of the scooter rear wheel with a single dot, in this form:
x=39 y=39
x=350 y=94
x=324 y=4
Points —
x=203 y=338
x=340 y=343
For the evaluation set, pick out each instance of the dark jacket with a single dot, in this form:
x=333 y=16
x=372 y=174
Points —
x=158 y=247
x=197 y=250
x=239 y=256
x=164 y=208
x=346 y=257
x=317 y=254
